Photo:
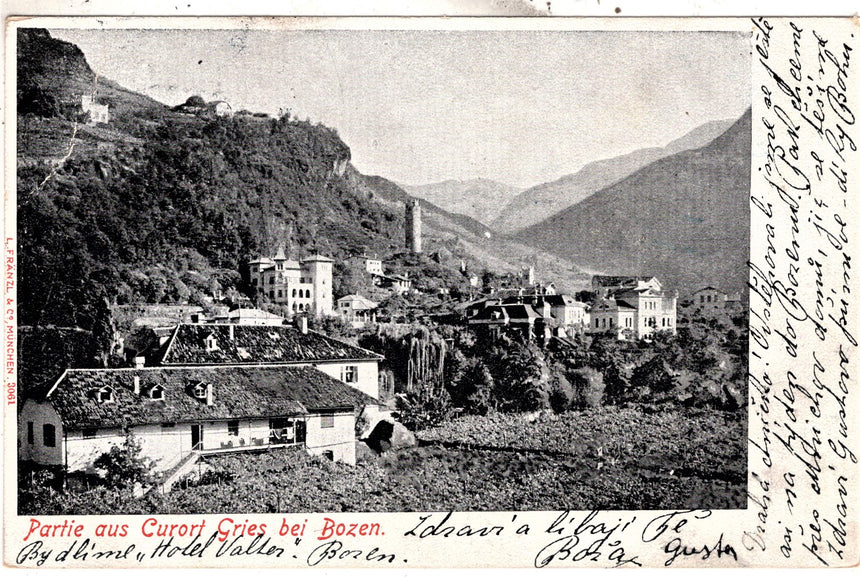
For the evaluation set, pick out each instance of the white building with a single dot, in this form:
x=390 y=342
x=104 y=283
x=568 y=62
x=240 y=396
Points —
x=181 y=412
x=304 y=286
x=373 y=265
x=217 y=388
x=99 y=113
x=357 y=309
x=634 y=308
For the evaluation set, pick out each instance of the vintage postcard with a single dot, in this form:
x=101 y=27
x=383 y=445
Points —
x=420 y=292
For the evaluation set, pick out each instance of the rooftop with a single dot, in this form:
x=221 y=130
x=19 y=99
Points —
x=237 y=392
x=255 y=344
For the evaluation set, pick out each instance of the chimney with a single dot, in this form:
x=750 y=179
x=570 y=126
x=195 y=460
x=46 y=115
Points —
x=139 y=362
x=303 y=325
x=210 y=400
x=231 y=332
x=136 y=384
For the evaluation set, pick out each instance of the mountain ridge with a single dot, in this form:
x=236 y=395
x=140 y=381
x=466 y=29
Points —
x=544 y=200
x=683 y=218
x=479 y=198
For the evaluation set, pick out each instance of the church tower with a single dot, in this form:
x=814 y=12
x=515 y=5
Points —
x=413 y=226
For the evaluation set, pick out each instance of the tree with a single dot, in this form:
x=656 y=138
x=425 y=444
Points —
x=588 y=387
x=125 y=466
x=472 y=388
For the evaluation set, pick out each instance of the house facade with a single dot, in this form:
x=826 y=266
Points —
x=180 y=412
x=99 y=113
x=303 y=286
x=632 y=308
x=709 y=300
x=356 y=309
x=373 y=265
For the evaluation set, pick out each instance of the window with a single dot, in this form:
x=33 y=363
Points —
x=104 y=395
x=271 y=280
x=271 y=294
x=49 y=435
x=30 y=432
x=280 y=293
x=294 y=293
x=89 y=433
x=211 y=343
x=349 y=374
x=156 y=393
x=233 y=428
x=328 y=455
x=326 y=421
x=168 y=425
x=199 y=391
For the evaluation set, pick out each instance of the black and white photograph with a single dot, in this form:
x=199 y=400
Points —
x=311 y=271
x=285 y=271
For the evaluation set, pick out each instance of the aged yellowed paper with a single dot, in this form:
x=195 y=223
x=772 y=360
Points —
x=399 y=292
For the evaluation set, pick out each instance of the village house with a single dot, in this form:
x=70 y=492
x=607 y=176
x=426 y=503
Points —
x=632 y=307
x=521 y=318
x=303 y=286
x=180 y=413
x=357 y=310
x=709 y=300
x=373 y=265
x=603 y=285
x=229 y=345
x=99 y=113
x=397 y=283
x=214 y=388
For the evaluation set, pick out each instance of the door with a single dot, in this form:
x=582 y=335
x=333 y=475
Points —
x=196 y=437
x=301 y=431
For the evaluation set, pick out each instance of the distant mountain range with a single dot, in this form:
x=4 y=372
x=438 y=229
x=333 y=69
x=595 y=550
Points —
x=683 y=218
x=540 y=202
x=479 y=198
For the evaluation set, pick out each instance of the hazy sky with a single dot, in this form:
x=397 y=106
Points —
x=419 y=107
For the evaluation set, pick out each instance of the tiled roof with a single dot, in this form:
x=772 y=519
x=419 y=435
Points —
x=562 y=300
x=708 y=288
x=360 y=302
x=252 y=314
x=238 y=392
x=521 y=312
x=256 y=345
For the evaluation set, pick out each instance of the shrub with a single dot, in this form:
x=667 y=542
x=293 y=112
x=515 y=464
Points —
x=125 y=467
x=562 y=395
x=588 y=387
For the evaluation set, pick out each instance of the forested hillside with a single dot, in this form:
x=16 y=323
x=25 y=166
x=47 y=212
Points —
x=160 y=205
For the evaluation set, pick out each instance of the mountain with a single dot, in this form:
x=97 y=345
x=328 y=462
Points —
x=162 y=205
x=684 y=218
x=480 y=198
x=542 y=201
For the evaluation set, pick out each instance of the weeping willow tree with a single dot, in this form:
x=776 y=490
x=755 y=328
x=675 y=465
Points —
x=426 y=366
x=416 y=355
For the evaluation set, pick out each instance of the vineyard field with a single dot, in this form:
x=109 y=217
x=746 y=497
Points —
x=606 y=459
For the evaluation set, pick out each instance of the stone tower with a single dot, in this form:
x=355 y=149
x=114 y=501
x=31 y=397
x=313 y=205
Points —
x=413 y=226
x=320 y=270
